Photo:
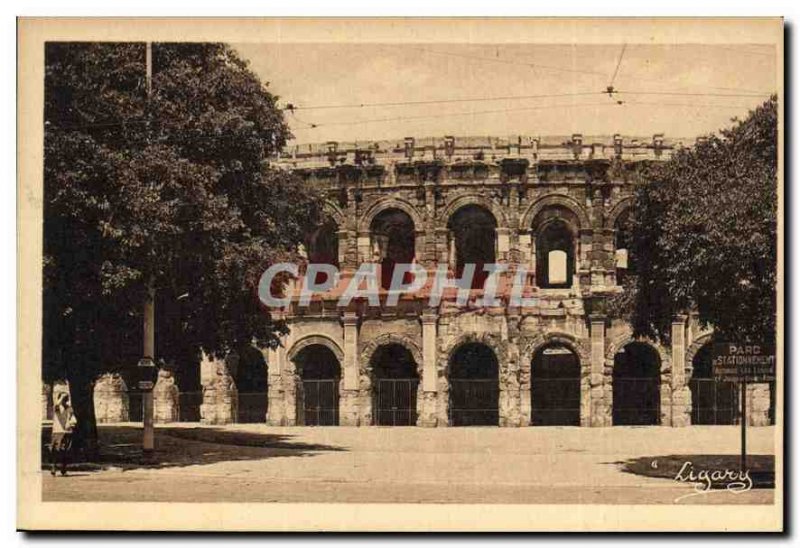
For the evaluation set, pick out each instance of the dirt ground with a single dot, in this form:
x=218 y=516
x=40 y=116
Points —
x=256 y=463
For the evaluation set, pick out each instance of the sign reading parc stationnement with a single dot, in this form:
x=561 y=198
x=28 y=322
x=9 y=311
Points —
x=749 y=362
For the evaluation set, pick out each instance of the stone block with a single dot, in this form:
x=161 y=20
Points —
x=111 y=401
x=220 y=397
x=166 y=403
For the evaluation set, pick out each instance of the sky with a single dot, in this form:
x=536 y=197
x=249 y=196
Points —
x=484 y=89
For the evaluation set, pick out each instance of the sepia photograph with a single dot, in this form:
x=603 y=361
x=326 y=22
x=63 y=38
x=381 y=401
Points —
x=523 y=272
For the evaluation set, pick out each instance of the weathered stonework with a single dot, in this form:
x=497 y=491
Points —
x=165 y=398
x=111 y=402
x=220 y=397
x=758 y=404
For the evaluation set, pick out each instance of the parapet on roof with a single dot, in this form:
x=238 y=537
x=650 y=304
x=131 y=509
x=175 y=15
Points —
x=451 y=149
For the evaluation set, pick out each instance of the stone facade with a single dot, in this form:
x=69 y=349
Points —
x=580 y=185
x=524 y=184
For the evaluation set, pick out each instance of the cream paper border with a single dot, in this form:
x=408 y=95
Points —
x=32 y=513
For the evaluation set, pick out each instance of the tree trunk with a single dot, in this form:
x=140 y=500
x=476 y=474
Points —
x=82 y=396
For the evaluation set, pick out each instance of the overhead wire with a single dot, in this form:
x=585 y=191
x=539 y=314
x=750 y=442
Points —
x=293 y=107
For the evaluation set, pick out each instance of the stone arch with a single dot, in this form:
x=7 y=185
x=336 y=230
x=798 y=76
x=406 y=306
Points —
x=499 y=347
x=625 y=339
x=310 y=340
x=333 y=211
x=390 y=202
x=692 y=351
x=555 y=200
x=664 y=396
x=372 y=381
x=462 y=200
x=619 y=208
x=369 y=349
x=528 y=349
x=459 y=404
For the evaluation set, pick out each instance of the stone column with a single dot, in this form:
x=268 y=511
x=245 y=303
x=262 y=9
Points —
x=442 y=245
x=351 y=399
x=525 y=248
x=166 y=398
x=442 y=380
x=111 y=402
x=509 y=404
x=600 y=414
x=343 y=240
x=220 y=397
x=364 y=243
x=681 y=400
x=758 y=395
x=503 y=244
x=427 y=407
x=420 y=246
x=276 y=395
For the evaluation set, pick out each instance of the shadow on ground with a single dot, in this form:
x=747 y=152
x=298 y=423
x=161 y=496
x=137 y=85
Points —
x=121 y=447
x=761 y=467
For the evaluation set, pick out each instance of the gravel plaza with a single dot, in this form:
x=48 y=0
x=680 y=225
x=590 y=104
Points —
x=258 y=463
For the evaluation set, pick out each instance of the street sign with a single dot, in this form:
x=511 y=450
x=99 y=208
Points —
x=146 y=385
x=146 y=362
x=743 y=364
x=735 y=362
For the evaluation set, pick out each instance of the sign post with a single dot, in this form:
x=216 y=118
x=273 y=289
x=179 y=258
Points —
x=743 y=363
x=743 y=421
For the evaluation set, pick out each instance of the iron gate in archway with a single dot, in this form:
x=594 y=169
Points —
x=637 y=401
x=714 y=401
x=321 y=402
x=474 y=402
x=396 y=402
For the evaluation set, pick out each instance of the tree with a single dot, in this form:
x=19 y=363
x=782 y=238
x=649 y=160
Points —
x=704 y=228
x=174 y=187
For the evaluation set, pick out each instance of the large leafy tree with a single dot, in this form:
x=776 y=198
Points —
x=171 y=187
x=704 y=228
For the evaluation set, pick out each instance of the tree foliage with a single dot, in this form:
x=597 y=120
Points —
x=173 y=186
x=704 y=228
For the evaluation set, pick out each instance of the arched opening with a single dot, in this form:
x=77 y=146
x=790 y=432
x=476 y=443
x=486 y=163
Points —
x=555 y=255
x=323 y=247
x=318 y=387
x=395 y=381
x=555 y=387
x=713 y=401
x=473 y=240
x=249 y=371
x=556 y=230
x=392 y=235
x=474 y=386
x=623 y=243
x=636 y=385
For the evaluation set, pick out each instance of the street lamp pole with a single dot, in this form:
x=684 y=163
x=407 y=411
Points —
x=148 y=441
x=149 y=350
